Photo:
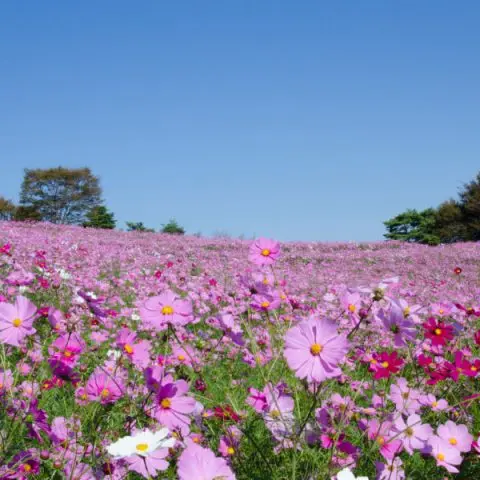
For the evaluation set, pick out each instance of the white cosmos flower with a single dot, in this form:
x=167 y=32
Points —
x=135 y=316
x=346 y=474
x=142 y=443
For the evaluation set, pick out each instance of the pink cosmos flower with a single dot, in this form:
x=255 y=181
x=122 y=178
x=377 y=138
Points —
x=391 y=471
x=6 y=381
x=394 y=321
x=383 y=435
x=431 y=401
x=229 y=443
x=265 y=302
x=278 y=413
x=16 y=321
x=67 y=349
x=167 y=308
x=137 y=351
x=412 y=432
x=313 y=349
x=264 y=251
x=456 y=435
x=104 y=387
x=173 y=406
x=445 y=454
x=201 y=463
x=405 y=398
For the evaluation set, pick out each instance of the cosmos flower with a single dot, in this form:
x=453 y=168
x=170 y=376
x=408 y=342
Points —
x=444 y=453
x=16 y=321
x=264 y=251
x=197 y=462
x=313 y=349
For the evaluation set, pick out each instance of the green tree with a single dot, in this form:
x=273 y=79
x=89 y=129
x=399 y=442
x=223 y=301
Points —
x=413 y=226
x=7 y=209
x=60 y=195
x=173 y=227
x=138 y=227
x=29 y=213
x=100 y=217
x=470 y=207
x=449 y=222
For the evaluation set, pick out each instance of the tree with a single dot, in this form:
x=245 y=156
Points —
x=23 y=214
x=138 y=227
x=100 y=217
x=7 y=209
x=470 y=207
x=413 y=226
x=449 y=222
x=61 y=195
x=173 y=227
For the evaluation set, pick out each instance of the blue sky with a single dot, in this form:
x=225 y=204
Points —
x=298 y=120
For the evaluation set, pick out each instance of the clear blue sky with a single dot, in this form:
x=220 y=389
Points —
x=299 y=120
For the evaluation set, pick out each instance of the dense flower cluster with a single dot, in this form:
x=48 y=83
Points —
x=136 y=355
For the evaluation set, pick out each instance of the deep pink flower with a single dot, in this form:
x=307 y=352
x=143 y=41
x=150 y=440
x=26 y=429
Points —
x=383 y=435
x=67 y=349
x=104 y=387
x=437 y=331
x=313 y=349
x=196 y=462
x=384 y=364
x=16 y=321
x=264 y=251
x=173 y=407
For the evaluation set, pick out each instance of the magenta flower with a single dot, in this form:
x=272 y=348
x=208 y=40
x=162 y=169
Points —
x=444 y=453
x=264 y=251
x=67 y=349
x=456 y=435
x=173 y=406
x=384 y=437
x=313 y=349
x=201 y=463
x=104 y=387
x=412 y=432
x=166 y=309
x=16 y=321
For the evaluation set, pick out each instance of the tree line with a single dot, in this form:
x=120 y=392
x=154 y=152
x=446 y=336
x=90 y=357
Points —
x=455 y=220
x=68 y=196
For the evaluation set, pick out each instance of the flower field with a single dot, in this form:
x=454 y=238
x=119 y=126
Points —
x=139 y=355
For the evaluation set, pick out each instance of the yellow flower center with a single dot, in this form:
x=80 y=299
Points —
x=265 y=304
x=441 y=457
x=385 y=364
x=142 y=447
x=315 y=349
x=27 y=468
x=406 y=311
x=452 y=441
x=128 y=348
x=265 y=252
x=438 y=331
x=380 y=440
x=181 y=357
x=441 y=311
x=265 y=281
x=352 y=308
x=104 y=393
x=67 y=353
x=473 y=368
x=196 y=439
x=166 y=403
x=16 y=322
x=405 y=395
x=409 y=431
x=230 y=450
x=167 y=310
x=275 y=414
x=434 y=404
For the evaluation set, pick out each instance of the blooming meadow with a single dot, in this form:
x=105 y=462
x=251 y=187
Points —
x=138 y=355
